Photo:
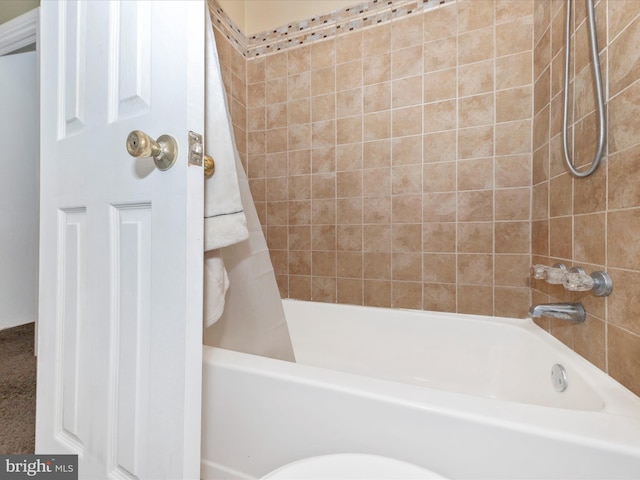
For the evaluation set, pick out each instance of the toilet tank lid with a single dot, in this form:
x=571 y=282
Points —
x=350 y=466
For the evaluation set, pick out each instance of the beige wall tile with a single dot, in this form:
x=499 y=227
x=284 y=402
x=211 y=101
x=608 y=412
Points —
x=440 y=85
x=349 y=47
x=589 y=245
x=349 y=75
x=323 y=289
x=623 y=172
x=440 y=54
x=299 y=86
x=439 y=237
x=377 y=69
x=475 y=237
x=440 y=147
x=475 y=46
x=377 y=266
x=377 y=293
x=349 y=237
x=623 y=306
x=406 y=238
x=406 y=208
x=323 y=81
x=406 y=91
x=406 y=32
x=276 y=66
x=476 y=142
x=476 y=78
x=276 y=91
x=440 y=207
x=514 y=71
x=511 y=302
x=349 y=102
x=439 y=268
x=323 y=107
x=377 y=153
x=475 y=14
x=377 y=210
x=349 y=157
x=512 y=270
x=513 y=203
x=406 y=62
x=376 y=40
x=323 y=211
x=406 y=295
x=406 y=150
x=406 y=267
x=323 y=159
x=406 y=179
x=475 y=299
x=349 y=291
x=475 y=206
x=349 y=264
x=440 y=23
x=298 y=60
x=377 y=97
x=561 y=237
x=512 y=237
x=513 y=104
x=621 y=14
x=439 y=297
x=439 y=177
x=623 y=249
x=624 y=122
x=515 y=36
x=476 y=111
x=350 y=210
x=377 y=126
x=624 y=364
x=440 y=116
x=323 y=54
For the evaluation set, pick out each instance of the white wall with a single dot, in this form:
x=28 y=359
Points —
x=10 y=9
x=254 y=16
x=19 y=137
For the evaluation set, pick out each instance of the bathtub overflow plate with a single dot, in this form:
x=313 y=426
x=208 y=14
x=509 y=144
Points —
x=559 y=377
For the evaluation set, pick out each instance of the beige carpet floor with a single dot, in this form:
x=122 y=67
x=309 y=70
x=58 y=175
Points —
x=17 y=390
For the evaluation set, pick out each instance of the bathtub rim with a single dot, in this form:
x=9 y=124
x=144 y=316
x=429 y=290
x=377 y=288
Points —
x=615 y=433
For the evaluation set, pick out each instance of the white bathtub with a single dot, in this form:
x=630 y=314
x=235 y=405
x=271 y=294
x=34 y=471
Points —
x=464 y=396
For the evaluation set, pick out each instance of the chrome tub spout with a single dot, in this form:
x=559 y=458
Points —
x=571 y=311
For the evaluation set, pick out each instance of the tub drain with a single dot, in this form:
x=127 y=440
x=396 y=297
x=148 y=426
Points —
x=559 y=377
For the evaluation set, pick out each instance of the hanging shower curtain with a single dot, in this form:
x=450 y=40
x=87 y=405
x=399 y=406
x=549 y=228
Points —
x=242 y=306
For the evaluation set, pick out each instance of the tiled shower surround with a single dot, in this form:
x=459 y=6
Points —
x=593 y=222
x=415 y=164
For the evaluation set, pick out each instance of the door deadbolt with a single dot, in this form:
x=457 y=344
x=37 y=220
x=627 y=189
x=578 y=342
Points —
x=164 y=150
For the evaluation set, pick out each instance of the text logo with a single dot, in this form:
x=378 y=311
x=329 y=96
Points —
x=49 y=467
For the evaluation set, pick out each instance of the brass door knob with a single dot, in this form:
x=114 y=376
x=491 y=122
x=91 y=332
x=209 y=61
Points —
x=164 y=150
x=209 y=166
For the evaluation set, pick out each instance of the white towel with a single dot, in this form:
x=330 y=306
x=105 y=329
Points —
x=225 y=222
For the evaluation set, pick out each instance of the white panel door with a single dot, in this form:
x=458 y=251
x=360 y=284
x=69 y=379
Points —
x=120 y=309
x=18 y=189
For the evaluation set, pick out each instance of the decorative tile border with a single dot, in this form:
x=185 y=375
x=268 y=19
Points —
x=318 y=28
x=227 y=27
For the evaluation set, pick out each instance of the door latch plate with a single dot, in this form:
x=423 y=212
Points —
x=196 y=149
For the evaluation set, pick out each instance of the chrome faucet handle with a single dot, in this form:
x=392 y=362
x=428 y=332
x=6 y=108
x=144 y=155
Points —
x=577 y=282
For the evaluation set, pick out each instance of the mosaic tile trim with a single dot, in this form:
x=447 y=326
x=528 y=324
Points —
x=320 y=27
x=227 y=27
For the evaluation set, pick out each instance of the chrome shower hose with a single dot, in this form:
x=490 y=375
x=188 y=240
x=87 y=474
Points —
x=595 y=65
